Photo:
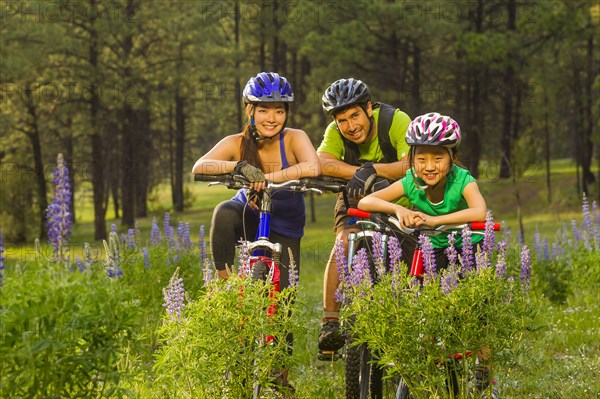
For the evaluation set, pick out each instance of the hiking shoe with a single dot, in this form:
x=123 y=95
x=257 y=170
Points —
x=331 y=337
x=482 y=384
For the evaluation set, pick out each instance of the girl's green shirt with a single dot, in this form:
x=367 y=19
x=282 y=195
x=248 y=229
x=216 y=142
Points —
x=453 y=201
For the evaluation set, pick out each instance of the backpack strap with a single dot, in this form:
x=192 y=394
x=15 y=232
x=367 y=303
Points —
x=386 y=116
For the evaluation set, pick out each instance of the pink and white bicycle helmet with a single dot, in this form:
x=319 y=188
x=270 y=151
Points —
x=433 y=129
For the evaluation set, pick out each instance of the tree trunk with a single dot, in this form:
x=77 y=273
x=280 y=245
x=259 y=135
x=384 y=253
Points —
x=33 y=133
x=129 y=173
x=179 y=151
x=143 y=161
x=588 y=120
x=508 y=90
x=98 y=178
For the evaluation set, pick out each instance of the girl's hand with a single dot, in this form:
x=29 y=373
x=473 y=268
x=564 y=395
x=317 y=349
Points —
x=253 y=199
x=412 y=219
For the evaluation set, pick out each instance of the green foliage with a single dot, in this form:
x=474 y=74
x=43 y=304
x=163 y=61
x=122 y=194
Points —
x=218 y=349
x=68 y=330
x=416 y=328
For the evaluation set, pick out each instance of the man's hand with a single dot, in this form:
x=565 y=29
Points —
x=365 y=180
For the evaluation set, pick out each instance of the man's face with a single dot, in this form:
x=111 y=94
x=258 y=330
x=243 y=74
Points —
x=354 y=123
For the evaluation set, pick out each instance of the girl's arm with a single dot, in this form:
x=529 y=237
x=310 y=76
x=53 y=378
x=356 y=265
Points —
x=306 y=156
x=382 y=200
x=221 y=159
x=475 y=213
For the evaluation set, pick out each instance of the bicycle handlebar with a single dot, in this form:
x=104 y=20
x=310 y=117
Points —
x=235 y=181
x=378 y=218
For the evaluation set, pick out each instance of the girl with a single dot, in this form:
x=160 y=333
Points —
x=440 y=191
x=265 y=150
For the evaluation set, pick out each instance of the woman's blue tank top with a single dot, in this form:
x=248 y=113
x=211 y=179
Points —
x=288 y=211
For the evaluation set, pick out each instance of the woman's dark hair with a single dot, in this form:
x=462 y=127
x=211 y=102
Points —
x=249 y=145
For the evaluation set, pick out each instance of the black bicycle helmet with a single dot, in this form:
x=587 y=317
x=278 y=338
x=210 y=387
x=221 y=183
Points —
x=345 y=92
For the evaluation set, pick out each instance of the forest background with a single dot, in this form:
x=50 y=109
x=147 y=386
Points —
x=132 y=92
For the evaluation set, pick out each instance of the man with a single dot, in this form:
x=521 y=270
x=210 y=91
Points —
x=365 y=145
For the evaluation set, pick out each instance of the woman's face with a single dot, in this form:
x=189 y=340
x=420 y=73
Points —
x=269 y=118
x=432 y=163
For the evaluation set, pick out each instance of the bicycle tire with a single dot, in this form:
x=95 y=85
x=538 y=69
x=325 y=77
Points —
x=358 y=371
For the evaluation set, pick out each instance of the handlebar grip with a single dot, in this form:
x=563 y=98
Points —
x=222 y=177
x=481 y=226
x=358 y=213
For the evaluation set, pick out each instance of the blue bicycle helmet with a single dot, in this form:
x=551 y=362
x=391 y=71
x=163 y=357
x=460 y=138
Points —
x=268 y=87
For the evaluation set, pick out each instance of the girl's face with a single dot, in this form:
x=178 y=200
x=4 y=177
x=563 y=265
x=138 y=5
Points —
x=269 y=118
x=432 y=163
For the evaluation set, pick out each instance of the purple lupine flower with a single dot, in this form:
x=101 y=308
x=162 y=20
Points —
x=501 y=260
x=489 y=238
x=166 y=223
x=537 y=242
x=520 y=237
x=546 y=250
x=525 y=267
x=168 y=230
x=146 y=258
x=293 y=271
x=506 y=232
x=428 y=258
x=181 y=233
x=187 y=240
x=596 y=224
x=174 y=295
x=123 y=239
x=113 y=228
x=202 y=244
x=207 y=273
x=395 y=255
x=81 y=264
x=587 y=215
x=575 y=232
x=244 y=258
x=451 y=252
x=360 y=268
x=449 y=279
x=482 y=261
x=341 y=262
x=155 y=233
x=131 y=238
x=58 y=213
x=113 y=256
x=556 y=251
x=467 y=255
x=378 y=255
x=1 y=259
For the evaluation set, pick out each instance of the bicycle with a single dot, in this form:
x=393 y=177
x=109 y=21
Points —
x=265 y=255
x=364 y=378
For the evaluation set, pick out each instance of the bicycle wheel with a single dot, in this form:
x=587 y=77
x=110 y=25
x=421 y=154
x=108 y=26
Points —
x=357 y=371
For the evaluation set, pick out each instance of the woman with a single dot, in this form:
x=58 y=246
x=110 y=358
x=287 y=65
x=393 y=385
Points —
x=266 y=150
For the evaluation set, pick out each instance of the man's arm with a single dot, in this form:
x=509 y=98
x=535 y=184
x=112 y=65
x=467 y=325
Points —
x=331 y=166
x=392 y=171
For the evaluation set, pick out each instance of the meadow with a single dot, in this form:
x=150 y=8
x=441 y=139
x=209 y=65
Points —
x=80 y=334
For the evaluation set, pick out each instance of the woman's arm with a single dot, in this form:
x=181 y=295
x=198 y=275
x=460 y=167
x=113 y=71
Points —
x=306 y=156
x=221 y=159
